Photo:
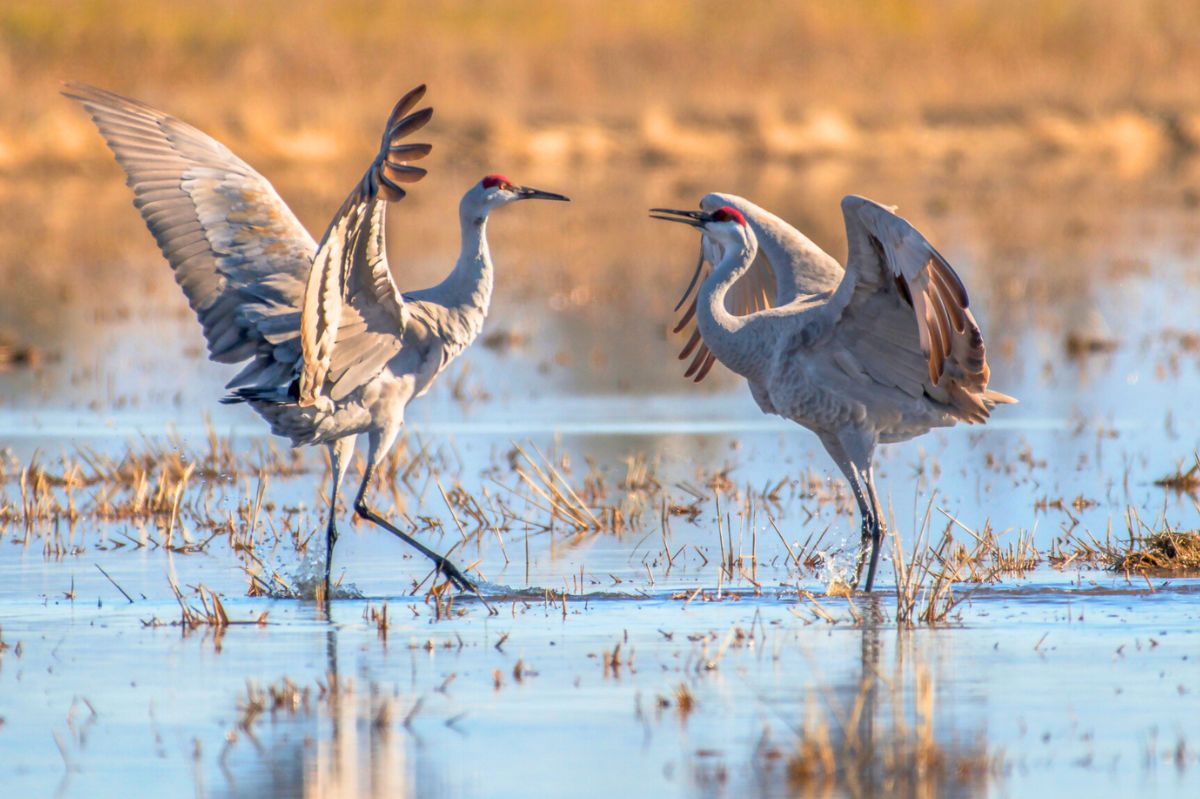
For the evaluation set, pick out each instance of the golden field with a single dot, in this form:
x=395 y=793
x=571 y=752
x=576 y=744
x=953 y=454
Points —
x=577 y=80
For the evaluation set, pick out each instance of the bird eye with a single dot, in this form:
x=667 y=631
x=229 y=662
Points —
x=497 y=182
x=728 y=214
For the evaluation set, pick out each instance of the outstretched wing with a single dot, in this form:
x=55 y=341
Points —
x=354 y=317
x=238 y=252
x=905 y=313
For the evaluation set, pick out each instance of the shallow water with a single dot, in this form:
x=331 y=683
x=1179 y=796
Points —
x=1054 y=678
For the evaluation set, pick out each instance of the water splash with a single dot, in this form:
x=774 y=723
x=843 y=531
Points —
x=303 y=579
x=838 y=578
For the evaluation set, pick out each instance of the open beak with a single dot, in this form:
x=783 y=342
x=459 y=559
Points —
x=693 y=218
x=526 y=193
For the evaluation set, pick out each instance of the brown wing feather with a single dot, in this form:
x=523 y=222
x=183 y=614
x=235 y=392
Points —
x=389 y=169
x=887 y=254
x=706 y=367
x=701 y=358
x=691 y=345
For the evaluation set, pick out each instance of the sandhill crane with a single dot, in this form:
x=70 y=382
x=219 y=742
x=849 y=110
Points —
x=880 y=352
x=334 y=349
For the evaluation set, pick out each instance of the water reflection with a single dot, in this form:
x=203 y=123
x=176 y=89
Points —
x=342 y=741
x=884 y=728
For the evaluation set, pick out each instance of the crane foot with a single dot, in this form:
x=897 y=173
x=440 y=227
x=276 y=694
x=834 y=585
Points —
x=456 y=577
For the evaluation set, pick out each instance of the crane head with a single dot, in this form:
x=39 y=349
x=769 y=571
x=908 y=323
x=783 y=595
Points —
x=496 y=190
x=728 y=213
x=724 y=228
x=705 y=220
x=496 y=180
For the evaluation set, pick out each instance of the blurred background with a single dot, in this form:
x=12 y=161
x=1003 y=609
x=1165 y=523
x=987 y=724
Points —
x=1029 y=136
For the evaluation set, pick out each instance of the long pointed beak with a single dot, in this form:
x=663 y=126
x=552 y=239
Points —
x=527 y=193
x=693 y=218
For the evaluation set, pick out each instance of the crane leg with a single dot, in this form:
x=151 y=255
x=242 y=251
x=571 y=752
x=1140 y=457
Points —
x=877 y=529
x=379 y=445
x=341 y=453
x=852 y=451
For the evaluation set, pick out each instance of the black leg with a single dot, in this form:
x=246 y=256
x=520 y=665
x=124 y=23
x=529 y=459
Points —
x=864 y=542
x=876 y=528
x=868 y=522
x=443 y=565
x=331 y=536
x=876 y=545
x=364 y=511
x=847 y=457
x=340 y=453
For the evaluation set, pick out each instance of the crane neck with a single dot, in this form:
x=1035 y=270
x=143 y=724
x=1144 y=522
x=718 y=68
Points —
x=735 y=340
x=806 y=268
x=468 y=287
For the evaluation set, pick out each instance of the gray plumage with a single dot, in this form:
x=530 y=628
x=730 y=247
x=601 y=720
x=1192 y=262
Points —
x=879 y=352
x=238 y=252
x=334 y=350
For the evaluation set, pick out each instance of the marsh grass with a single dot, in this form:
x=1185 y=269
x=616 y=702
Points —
x=1147 y=548
x=985 y=558
x=925 y=592
x=1165 y=552
x=148 y=480
x=164 y=495
x=1183 y=482
x=285 y=697
x=560 y=499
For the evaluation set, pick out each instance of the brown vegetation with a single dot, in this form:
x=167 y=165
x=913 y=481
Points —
x=1166 y=552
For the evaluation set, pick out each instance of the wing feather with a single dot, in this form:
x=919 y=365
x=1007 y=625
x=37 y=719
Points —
x=894 y=276
x=353 y=316
x=219 y=223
